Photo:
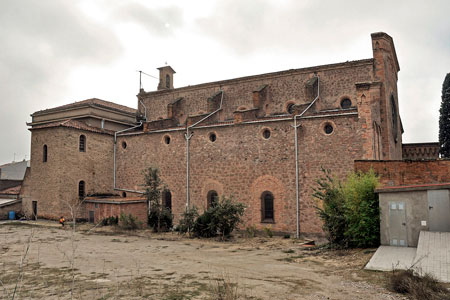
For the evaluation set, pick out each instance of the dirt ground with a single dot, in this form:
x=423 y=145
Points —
x=110 y=264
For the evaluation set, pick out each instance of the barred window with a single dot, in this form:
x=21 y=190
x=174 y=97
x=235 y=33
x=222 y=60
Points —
x=81 y=189
x=82 y=143
x=267 y=212
x=212 y=198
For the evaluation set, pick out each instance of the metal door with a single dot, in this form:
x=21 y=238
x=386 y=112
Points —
x=91 y=216
x=397 y=224
x=439 y=210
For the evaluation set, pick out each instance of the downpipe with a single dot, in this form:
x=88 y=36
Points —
x=188 y=135
x=114 y=158
x=297 y=185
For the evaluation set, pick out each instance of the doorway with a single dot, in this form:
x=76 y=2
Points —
x=439 y=210
x=34 y=207
x=397 y=224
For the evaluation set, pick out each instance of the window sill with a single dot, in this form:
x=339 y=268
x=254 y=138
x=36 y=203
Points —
x=268 y=221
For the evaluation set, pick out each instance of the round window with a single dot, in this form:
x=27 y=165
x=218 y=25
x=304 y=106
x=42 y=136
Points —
x=124 y=145
x=212 y=137
x=167 y=139
x=266 y=133
x=346 y=103
x=328 y=128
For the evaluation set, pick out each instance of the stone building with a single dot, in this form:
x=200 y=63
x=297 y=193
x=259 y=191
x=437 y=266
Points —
x=262 y=139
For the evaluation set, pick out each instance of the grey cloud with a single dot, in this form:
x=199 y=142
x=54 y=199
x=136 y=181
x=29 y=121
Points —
x=153 y=20
x=40 y=42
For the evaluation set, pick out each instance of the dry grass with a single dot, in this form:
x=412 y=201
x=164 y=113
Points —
x=417 y=287
x=225 y=289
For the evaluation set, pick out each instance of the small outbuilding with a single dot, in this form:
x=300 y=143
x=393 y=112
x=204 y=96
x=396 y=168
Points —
x=407 y=210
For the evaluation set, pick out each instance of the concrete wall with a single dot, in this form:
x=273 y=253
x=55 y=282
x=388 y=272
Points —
x=416 y=203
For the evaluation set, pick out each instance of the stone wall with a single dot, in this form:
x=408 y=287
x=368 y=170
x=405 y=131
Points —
x=394 y=173
x=243 y=164
x=54 y=184
x=4 y=210
x=105 y=210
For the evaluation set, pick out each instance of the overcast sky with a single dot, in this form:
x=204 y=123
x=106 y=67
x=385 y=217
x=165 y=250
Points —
x=55 y=52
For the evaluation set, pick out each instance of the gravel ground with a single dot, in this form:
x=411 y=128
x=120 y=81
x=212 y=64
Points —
x=109 y=264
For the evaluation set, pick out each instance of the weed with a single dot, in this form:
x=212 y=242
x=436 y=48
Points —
x=418 y=287
x=250 y=231
x=268 y=231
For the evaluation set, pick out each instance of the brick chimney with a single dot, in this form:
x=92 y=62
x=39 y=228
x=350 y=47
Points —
x=165 y=78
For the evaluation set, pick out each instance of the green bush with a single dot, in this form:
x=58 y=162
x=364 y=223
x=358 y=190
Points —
x=220 y=220
x=187 y=220
x=349 y=211
x=129 y=222
x=165 y=219
x=362 y=211
x=268 y=231
x=110 y=221
x=205 y=225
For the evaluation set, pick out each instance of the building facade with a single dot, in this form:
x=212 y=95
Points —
x=261 y=139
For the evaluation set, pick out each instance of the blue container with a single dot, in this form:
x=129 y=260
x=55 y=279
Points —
x=12 y=215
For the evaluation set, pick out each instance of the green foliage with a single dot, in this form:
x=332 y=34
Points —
x=362 y=211
x=159 y=217
x=129 y=222
x=444 y=119
x=220 y=220
x=349 y=211
x=268 y=231
x=251 y=231
x=109 y=221
x=332 y=208
x=187 y=220
x=205 y=225
x=165 y=219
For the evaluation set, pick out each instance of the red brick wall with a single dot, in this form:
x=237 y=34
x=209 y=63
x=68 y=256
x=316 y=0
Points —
x=393 y=173
x=243 y=164
x=105 y=210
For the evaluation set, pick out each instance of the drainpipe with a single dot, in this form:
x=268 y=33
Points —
x=297 y=186
x=114 y=158
x=188 y=137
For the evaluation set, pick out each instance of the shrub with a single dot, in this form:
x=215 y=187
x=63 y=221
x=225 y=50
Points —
x=418 y=287
x=362 y=211
x=220 y=220
x=205 y=225
x=268 y=231
x=251 y=231
x=349 y=211
x=109 y=221
x=165 y=219
x=187 y=220
x=129 y=222
x=332 y=208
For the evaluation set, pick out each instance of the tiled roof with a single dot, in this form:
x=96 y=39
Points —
x=14 y=170
x=11 y=191
x=93 y=101
x=73 y=124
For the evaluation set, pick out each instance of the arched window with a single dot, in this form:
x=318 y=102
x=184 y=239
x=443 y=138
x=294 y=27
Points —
x=267 y=214
x=81 y=189
x=167 y=200
x=168 y=81
x=82 y=143
x=394 y=118
x=44 y=153
x=212 y=198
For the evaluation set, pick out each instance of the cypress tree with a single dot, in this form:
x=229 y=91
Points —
x=444 y=119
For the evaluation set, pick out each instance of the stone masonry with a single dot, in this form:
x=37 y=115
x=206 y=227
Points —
x=243 y=140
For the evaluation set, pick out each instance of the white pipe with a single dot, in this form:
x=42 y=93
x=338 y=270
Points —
x=145 y=109
x=297 y=186
x=114 y=158
x=188 y=137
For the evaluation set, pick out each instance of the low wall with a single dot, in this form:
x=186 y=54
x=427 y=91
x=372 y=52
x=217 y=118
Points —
x=4 y=210
x=407 y=172
x=105 y=210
